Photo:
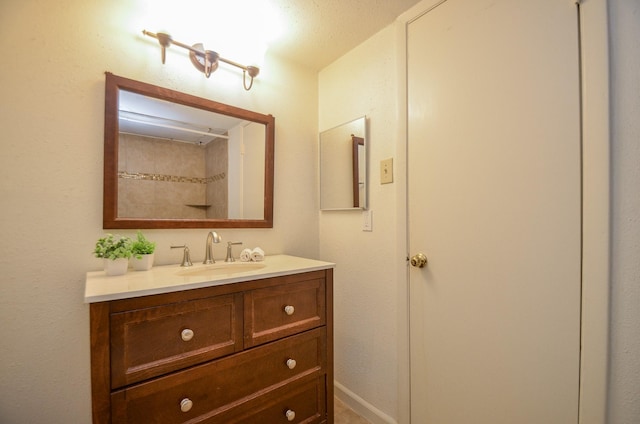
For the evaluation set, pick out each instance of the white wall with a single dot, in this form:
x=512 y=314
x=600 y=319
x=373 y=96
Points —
x=624 y=379
x=366 y=295
x=51 y=149
x=253 y=164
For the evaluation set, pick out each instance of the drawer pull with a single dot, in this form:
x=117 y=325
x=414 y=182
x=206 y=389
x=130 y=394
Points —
x=289 y=310
x=187 y=334
x=186 y=404
x=291 y=363
x=290 y=415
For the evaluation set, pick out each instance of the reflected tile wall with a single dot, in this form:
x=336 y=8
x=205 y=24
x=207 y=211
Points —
x=162 y=179
x=217 y=164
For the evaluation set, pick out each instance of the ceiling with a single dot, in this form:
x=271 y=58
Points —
x=317 y=32
x=146 y=116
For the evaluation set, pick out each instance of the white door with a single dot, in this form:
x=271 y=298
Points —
x=494 y=204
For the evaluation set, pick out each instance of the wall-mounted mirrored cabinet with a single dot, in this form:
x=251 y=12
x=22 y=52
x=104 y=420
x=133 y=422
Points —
x=173 y=160
x=343 y=166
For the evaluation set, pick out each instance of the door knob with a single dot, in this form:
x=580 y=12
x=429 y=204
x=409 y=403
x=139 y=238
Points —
x=419 y=260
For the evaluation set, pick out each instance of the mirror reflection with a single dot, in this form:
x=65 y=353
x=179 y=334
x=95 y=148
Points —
x=173 y=160
x=343 y=169
x=181 y=162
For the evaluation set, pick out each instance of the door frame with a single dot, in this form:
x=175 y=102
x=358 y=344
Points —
x=594 y=327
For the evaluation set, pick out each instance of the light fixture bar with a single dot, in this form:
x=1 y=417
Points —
x=206 y=61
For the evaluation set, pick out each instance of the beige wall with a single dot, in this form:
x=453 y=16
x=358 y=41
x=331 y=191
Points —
x=52 y=102
x=368 y=294
x=624 y=379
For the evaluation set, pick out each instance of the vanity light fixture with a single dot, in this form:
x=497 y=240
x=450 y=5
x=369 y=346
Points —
x=206 y=61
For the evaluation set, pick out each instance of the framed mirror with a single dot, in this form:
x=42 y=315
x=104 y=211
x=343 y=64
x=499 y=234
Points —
x=343 y=166
x=173 y=160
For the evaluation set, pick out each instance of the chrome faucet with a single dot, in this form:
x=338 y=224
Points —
x=212 y=237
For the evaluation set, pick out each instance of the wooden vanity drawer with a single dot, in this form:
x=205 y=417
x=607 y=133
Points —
x=305 y=399
x=279 y=311
x=152 y=341
x=214 y=388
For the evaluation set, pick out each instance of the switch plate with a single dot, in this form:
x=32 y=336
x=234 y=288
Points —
x=386 y=171
x=367 y=220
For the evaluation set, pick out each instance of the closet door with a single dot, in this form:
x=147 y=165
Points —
x=494 y=204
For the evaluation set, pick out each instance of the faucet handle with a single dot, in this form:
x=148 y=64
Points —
x=186 y=257
x=229 y=257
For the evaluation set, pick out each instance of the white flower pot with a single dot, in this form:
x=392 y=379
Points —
x=144 y=263
x=116 y=266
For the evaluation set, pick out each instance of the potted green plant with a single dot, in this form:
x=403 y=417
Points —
x=142 y=252
x=115 y=251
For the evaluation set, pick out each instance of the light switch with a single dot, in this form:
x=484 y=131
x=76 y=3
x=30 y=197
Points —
x=367 y=220
x=386 y=171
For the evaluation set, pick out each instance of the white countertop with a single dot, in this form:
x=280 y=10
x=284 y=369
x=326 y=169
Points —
x=170 y=278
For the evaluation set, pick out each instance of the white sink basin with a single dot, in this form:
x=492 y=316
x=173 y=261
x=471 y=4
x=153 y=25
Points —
x=219 y=269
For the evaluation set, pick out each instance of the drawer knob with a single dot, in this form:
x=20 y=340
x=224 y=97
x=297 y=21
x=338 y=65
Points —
x=187 y=334
x=186 y=404
x=291 y=363
x=290 y=415
x=289 y=310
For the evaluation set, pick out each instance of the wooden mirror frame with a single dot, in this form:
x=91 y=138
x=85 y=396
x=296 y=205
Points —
x=356 y=141
x=111 y=220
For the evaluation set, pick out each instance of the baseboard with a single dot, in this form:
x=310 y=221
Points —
x=361 y=406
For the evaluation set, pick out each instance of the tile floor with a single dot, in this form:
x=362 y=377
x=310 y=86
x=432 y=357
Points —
x=345 y=415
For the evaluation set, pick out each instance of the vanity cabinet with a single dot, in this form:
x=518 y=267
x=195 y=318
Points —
x=253 y=351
